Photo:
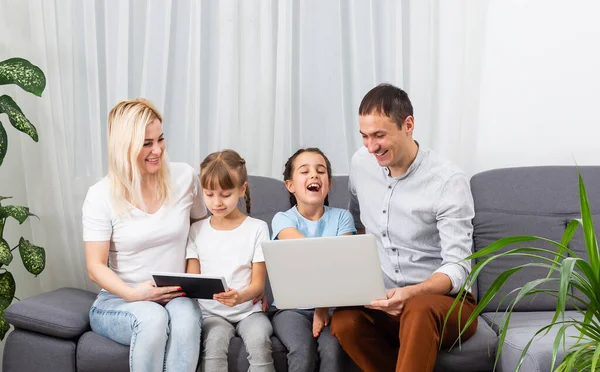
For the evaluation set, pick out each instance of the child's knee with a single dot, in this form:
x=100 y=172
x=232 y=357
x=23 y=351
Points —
x=258 y=343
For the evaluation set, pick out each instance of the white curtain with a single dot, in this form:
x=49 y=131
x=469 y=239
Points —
x=264 y=77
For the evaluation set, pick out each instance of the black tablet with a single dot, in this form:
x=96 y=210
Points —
x=194 y=285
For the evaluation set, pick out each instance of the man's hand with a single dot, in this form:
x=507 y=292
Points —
x=261 y=297
x=229 y=298
x=147 y=291
x=395 y=301
x=320 y=320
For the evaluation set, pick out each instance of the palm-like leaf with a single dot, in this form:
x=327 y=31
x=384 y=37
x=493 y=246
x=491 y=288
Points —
x=574 y=273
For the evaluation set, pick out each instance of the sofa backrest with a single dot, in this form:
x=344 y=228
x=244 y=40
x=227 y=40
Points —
x=537 y=201
x=268 y=196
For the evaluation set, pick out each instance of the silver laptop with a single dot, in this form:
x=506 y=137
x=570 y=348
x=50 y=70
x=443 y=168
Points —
x=324 y=272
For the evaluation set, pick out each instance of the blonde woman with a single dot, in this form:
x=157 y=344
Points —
x=136 y=220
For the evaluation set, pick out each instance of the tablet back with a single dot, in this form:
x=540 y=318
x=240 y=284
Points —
x=324 y=272
x=194 y=285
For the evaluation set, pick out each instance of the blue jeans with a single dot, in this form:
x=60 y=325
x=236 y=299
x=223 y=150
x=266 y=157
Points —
x=161 y=338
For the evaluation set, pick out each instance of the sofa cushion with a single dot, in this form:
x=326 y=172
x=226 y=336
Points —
x=62 y=313
x=475 y=354
x=522 y=327
x=526 y=201
x=26 y=351
x=93 y=353
x=520 y=319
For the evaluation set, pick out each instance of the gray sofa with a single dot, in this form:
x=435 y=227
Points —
x=52 y=330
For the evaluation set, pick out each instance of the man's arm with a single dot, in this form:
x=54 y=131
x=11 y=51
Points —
x=455 y=212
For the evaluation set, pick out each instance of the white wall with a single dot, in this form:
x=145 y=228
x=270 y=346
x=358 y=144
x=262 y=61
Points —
x=540 y=89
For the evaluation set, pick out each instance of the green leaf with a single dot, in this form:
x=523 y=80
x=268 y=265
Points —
x=6 y=255
x=591 y=244
x=16 y=117
x=566 y=273
x=595 y=358
x=3 y=143
x=21 y=72
x=7 y=285
x=4 y=326
x=560 y=337
x=5 y=197
x=17 y=212
x=33 y=257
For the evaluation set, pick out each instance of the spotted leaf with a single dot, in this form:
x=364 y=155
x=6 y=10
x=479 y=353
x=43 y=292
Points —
x=21 y=72
x=33 y=257
x=19 y=213
x=16 y=117
x=3 y=143
x=7 y=285
x=4 y=326
x=6 y=255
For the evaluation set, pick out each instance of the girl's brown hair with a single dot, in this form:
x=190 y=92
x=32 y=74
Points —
x=225 y=169
x=289 y=170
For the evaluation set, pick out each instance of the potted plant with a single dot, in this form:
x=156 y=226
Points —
x=573 y=272
x=31 y=79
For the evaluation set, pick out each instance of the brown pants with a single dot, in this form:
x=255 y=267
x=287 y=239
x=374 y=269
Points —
x=379 y=342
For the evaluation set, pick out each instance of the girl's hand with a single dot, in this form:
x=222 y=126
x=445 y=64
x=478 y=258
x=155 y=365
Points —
x=147 y=291
x=320 y=320
x=229 y=298
x=263 y=298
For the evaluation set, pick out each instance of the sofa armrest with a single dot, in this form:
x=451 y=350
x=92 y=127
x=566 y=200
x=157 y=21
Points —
x=62 y=313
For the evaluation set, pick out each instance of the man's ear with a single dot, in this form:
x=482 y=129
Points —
x=409 y=124
x=289 y=185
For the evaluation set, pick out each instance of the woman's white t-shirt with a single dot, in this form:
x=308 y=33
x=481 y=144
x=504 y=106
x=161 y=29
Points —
x=228 y=253
x=142 y=242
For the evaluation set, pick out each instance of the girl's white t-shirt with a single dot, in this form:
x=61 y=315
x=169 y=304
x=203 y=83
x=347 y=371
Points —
x=228 y=253
x=142 y=242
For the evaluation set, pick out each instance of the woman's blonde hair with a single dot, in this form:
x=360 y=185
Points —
x=225 y=169
x=127 y=123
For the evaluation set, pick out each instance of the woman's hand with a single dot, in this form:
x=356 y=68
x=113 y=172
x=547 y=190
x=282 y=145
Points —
x=147 y=291
x=229 y=298
x=320 y=320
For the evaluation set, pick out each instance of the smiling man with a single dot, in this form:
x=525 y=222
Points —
x=419 y=206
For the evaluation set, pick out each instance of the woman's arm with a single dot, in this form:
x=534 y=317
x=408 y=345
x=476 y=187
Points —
x=193 y=266
x=255 y=288
x=96 y=259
